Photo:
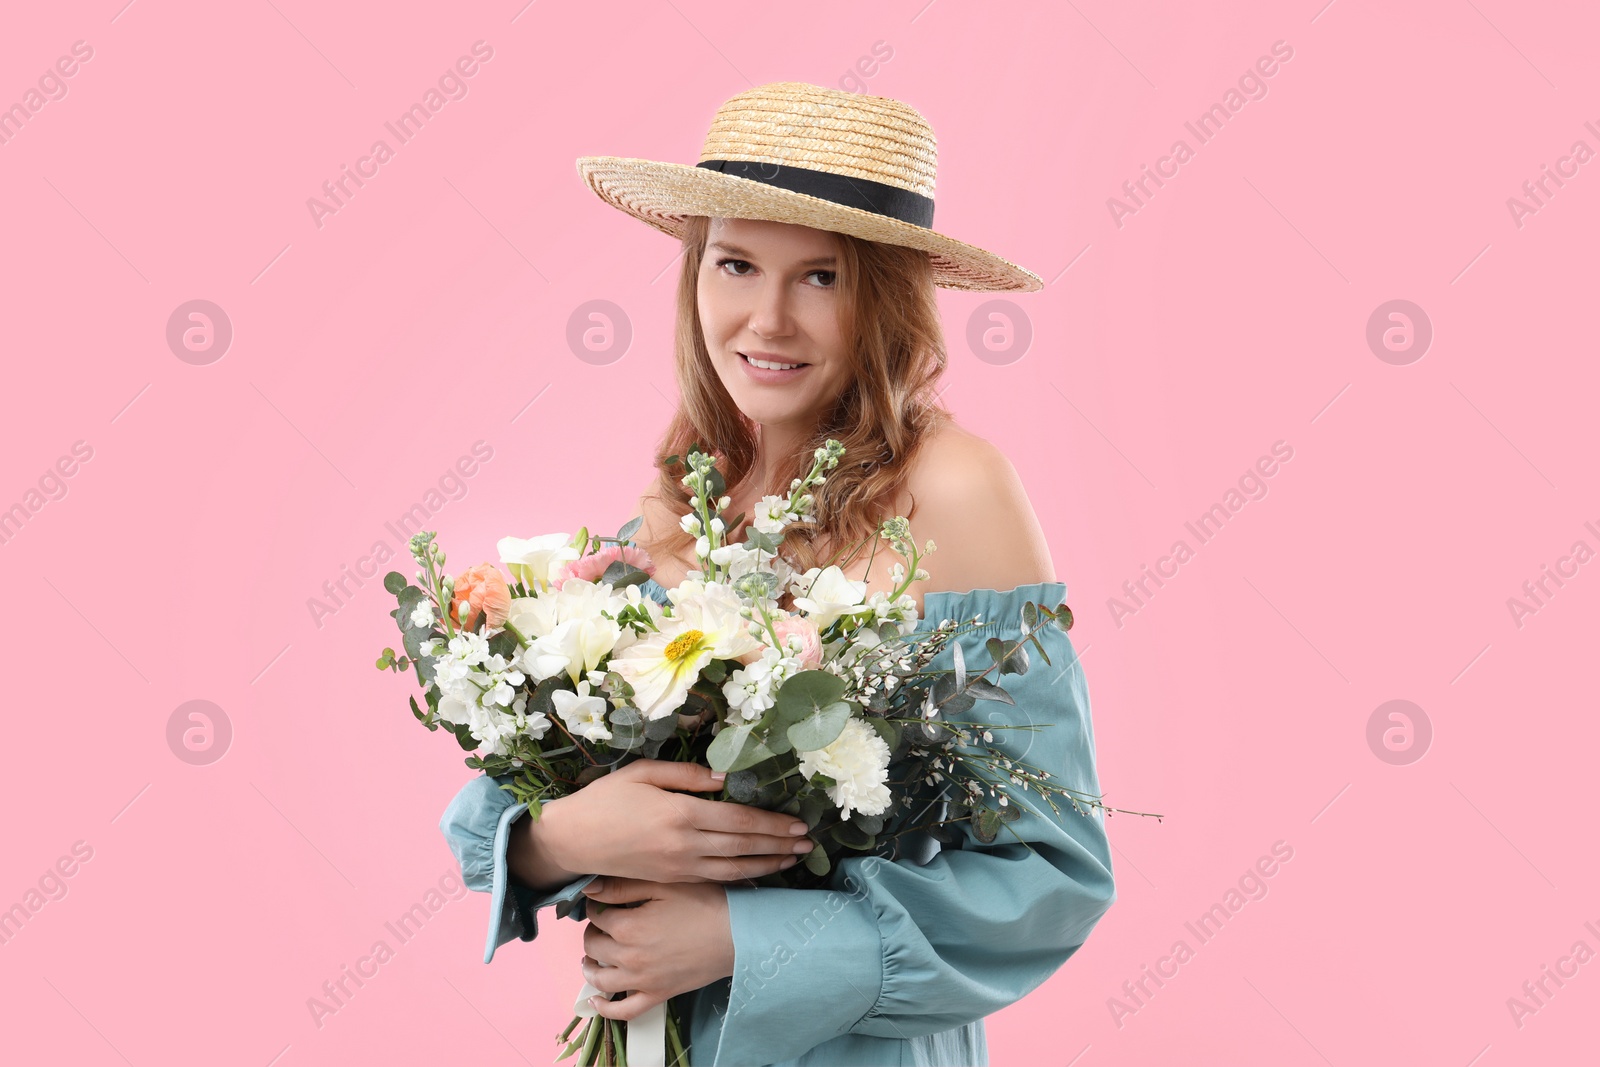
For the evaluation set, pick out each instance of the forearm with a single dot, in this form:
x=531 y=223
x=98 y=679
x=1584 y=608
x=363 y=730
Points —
x=532 y=855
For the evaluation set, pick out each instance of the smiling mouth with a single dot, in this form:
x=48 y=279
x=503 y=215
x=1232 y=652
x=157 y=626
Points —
x=772 y=364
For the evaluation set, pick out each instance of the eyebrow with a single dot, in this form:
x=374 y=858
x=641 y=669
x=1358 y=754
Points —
x=735 y=250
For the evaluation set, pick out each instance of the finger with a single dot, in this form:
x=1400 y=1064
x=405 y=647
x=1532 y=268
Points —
x=731 y=817
x=614 y=890
x=735 y=845
x=747 y=870
x=605 y=979
x=599 y=945
x=674 y=774
x=628 y=1008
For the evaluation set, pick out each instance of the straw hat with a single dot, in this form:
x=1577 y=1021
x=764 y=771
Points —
x=826 y=158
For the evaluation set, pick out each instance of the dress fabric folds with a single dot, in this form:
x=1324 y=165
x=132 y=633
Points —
x=897 y=962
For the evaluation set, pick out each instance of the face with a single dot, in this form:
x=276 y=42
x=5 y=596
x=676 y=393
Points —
x=768 y=290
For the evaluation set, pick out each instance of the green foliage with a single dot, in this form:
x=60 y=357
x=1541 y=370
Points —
x=734 y=749
x=1015 y=663
x=808 y=703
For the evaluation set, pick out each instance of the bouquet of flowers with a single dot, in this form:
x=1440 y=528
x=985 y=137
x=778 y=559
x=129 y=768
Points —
x=562 y=671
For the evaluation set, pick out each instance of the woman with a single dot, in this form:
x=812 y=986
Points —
x=807 y=311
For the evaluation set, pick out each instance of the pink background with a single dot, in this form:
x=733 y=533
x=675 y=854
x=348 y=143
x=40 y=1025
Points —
x=1166 y=355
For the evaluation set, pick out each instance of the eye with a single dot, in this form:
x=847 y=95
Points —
x=830 y=275
x=724 y=262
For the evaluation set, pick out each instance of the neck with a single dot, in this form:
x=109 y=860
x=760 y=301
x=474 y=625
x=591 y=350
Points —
x=775 y=443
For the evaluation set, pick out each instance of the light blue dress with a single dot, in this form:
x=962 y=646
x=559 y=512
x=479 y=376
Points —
x=898 y=962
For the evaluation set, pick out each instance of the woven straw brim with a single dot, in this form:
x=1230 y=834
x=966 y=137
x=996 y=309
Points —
x=662 y=195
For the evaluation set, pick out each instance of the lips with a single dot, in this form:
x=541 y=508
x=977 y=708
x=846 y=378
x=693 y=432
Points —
x=767 y=357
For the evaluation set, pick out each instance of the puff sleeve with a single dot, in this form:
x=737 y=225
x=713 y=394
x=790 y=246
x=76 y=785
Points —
x=898 y=949
x=477 y=824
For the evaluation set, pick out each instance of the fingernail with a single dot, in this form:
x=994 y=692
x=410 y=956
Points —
x=802 y=846
x=790 y=861
x=719 y=775
x=595 y=1001
x=798 y=828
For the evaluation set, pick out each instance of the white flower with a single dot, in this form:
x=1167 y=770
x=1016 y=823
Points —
x=858 y=761
x=706 y=625
x=422 y=614
x=568 y=628
x=584 y=715
x=535 y=561
x=770 y=517
x=829 y=594
x=575 y=646
x=753 y=688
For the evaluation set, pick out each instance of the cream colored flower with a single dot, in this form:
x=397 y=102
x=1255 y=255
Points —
x=535 y=561
x=705 y=626
x=830 y=595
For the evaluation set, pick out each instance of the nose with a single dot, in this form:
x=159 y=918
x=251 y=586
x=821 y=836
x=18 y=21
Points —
x=770 y=315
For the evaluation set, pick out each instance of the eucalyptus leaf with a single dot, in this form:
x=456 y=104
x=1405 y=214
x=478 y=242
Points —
x=662 y=728
x=394 y=581
x=868 y=824
x=621 y=574
x=804 y=693
x=816 y=860
x=741 y=786
x=813 y=806
x=630 y=528
x=987 y=825
x=983 y=689
x=1016 y=663
x=733 y=749
x=757 y=539
x=820 y=727
x=851 y=836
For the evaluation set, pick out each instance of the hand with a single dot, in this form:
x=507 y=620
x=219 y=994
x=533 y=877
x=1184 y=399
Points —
x=631 y=824
x=676 y=939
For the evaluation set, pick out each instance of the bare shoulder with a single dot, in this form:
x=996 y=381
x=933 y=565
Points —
x=970 y=501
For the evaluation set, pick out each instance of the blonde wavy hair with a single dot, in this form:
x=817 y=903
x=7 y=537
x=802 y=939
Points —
x=895 y=340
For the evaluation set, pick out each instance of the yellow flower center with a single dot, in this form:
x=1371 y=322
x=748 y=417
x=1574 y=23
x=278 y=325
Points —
x=684 y=645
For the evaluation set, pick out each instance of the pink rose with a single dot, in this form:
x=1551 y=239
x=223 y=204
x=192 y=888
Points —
x=592 y=566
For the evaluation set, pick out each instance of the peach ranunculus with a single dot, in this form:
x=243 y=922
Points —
x=800 y=626
x=592 y=566
x=483 y=588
